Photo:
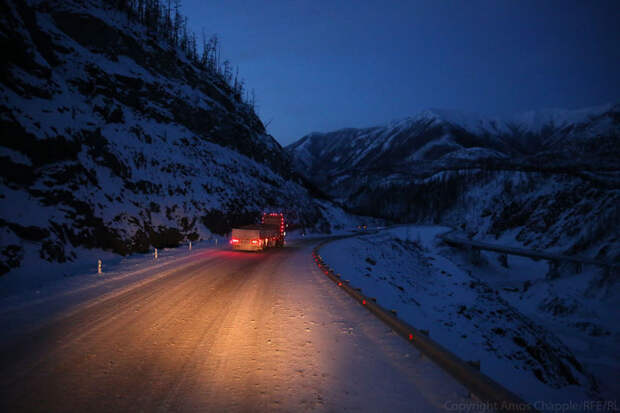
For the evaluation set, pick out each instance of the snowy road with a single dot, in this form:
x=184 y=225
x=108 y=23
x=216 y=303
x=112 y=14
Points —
x=222 y=331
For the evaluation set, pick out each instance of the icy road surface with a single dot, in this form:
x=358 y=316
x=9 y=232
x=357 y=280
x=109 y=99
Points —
x=219 y=331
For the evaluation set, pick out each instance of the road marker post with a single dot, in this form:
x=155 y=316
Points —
x=98 y=266
x=190 y=245
x=155 y=255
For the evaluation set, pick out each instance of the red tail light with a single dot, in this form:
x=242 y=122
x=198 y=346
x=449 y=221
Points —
x=254 y=241
x=234 y=241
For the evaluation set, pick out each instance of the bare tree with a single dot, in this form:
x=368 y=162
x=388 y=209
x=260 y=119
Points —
x=178 y=22
x=193 y=49
x=227 y=71
x=163 y=18
x=168 y=21
x=184 y=36
x=204 y=59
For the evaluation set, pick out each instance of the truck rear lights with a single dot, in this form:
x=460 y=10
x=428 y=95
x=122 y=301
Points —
x=234 y=241
x=269 y=233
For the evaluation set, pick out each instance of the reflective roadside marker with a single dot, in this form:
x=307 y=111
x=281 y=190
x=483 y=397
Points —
x=364 y=302
x=339 y=284
x=98 y=266
x=410 y=336
x=155 y=253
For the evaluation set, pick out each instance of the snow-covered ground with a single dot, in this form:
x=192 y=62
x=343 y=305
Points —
x=546 y=340
x=216 y=330
x=41 y=290
x=52 y=287
x=38 y=277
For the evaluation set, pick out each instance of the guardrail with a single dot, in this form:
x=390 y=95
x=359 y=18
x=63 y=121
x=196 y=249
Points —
x=475 y=246
x=481 y=386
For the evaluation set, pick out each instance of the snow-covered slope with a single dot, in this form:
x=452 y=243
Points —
x=113 y=139
x=544 y=339
x=552 y=177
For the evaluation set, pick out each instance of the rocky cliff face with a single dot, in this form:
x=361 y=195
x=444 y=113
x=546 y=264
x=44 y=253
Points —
x=112 y=139
x=549 y=179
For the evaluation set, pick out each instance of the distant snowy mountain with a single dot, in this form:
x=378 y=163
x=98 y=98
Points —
x=551 y=176
x=113 y=139
x=434 y=134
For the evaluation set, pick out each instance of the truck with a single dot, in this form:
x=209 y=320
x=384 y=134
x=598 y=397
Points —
x=269 y=233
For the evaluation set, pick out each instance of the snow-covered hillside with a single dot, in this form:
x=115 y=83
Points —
x=113 y=139
x=550 y=179
x=545 y=339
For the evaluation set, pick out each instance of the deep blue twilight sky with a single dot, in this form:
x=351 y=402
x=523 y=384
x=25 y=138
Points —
x=323 y=65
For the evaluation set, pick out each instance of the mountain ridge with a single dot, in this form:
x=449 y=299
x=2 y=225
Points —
x=561 y=116
x=429 y=169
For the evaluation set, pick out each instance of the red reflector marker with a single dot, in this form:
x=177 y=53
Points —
x=339 y=284
x=410 y=336
x=364 y=302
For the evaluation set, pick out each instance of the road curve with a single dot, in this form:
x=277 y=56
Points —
x=223 y=331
